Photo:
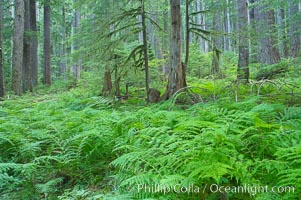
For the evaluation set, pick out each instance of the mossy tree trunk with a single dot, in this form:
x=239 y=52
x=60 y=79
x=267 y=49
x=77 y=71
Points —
x=176 y=79
x=27 y=74
x=268 y=52
x=243 y=59
x=34 y=43
x=145 y=49
x=47 y=44
x=294 y=28
x=2 y=86
x=18 y=47
x=107 y=83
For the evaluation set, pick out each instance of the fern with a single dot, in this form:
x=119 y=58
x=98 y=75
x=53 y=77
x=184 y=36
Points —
x=48 y=187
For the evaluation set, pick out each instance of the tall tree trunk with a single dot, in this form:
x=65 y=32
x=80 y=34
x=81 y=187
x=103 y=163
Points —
x=117 y=82
x=140 y=34
x=252 y=33
x=34 y=43
x=47 y=44
x=2 y=86
x=27 y=81
x=107 y=83
x=159 y=45
x=228 y=26
x=205 y=27
x=8 y=13
x=198 y=20
x=166 y=42
x=217 y=44
x=177 y=79
x=187 y=33
x=72 y=47
x=145 y=50
x=294 y=28
x=18 y=47
x=63 y=63
x=217 y=26
x=265 y=29
x=243 y=60
x=77 y=25
x=76 y=63
x=282 y=37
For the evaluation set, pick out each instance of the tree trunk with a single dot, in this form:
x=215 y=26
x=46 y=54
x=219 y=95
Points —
x=18 y=47
x=252 y=42
x=34 y=43
x=72 y=47
x=77 y=25
x=159 y=45
x=117 y=83
x=145 y=56
x=27 y=81
x=228 y=26
x=47 y=44
x=205 y=27
x=76 y=63
x=217 y=42
x=107 y=84
x=198 y=20
x=294 y=28
x=177 y=79
x=282 y=37
x=243 y=60
x=63 y=63
x=217 y=27
x=187 y=33
x=166 y=42
x=140 y=34
x=265 y=29
x=2 y=86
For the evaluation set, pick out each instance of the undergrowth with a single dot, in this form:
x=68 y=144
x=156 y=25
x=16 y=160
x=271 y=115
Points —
x=76 y=145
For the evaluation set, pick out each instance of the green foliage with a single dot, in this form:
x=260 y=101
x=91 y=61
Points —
x=199 y=63
x=47 y=144
x=227 y=144
x=69 y=143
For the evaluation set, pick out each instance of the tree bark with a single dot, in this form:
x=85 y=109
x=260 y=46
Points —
x=107 y=84
x=27 y=74
x=252 y=42
x=117 y=83
x=198 y=20
x=294 y=28
x=78 y=62
x=159 y=45
x=265 y=29
x=166 y=42
x=187 y=33
x=217 y=41
x=18 y=47
x=145 y=55
x=228 y=27
x=72 y=68
x=2 y=86
x=34 y=43
x=177 y=79
x=140 y=34
x=243 y=60
x=63 y=63
x=47 y=44
x=282 y=37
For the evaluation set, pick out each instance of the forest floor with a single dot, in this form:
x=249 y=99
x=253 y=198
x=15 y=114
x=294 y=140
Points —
x=72 y=144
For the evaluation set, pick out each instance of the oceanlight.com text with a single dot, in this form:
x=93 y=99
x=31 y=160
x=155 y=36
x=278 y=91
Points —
x=214 y=188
